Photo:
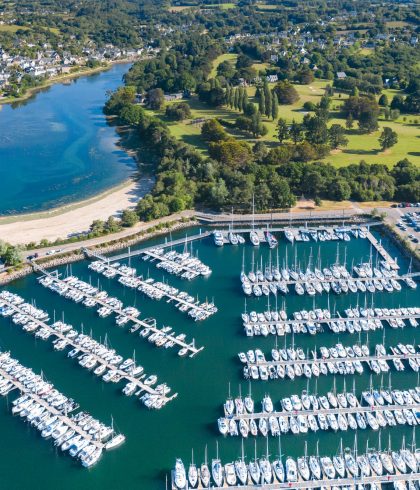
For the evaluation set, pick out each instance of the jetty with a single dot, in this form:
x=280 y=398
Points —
x=187 y=348
x=155 y=290
x=135 y=253
x=122 y=375
x=324 y=483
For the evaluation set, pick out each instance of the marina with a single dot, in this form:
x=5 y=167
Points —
x=155 y=289
x=103 y=310
x=47 y=409
x=353 y=320
x=91 y=354
x=93 y=298
x=291 y=363
x=333 y=411
x=346 y=470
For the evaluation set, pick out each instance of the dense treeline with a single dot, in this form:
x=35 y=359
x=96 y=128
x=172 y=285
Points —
x=235 y=171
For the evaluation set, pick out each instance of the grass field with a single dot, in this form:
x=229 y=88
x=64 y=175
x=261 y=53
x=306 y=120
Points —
x=12 y=28
x=360 y=146
x=231 y=57
x=222 y=6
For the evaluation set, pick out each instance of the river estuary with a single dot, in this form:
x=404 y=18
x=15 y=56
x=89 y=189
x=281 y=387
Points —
x=57 y=148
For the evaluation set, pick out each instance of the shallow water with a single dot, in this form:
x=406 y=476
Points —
x=57 y=147
x=154 y=439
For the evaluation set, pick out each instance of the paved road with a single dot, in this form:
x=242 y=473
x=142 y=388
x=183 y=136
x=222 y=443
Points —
x=393 y=215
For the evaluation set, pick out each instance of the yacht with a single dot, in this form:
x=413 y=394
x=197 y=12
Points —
x=180 y=476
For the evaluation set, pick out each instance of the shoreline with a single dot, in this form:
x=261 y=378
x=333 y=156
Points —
x=62 y=78
x=76 y=217
x=64 y=208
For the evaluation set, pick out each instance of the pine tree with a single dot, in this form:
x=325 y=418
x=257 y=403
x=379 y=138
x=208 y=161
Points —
x=261 y=103
x=275 y=107
x=231 y=97
x=245 y=100
x=236 y=98
x=268 y=104
x=240 y=98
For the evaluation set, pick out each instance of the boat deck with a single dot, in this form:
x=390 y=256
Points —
x=67 y=420
x=325 y=483
x=190 y=347
x=169 y=297
x=124 y=376
x=325 y=411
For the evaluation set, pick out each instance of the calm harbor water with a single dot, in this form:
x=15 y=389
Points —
x=154 y=439
x=57 y=147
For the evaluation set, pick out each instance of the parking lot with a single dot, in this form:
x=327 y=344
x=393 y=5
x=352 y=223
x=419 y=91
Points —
x=408 y=224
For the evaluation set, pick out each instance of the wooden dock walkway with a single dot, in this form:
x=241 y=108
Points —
x=67 y=420
x=134 y=253
x=327 y=321
x=324 y=483
x=382 y=252
x=124 y=376
x=325 y=411
x=169 y=297
x=387 y=357
x=190 y=347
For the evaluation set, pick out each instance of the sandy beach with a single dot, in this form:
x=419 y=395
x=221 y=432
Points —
x=74 y=218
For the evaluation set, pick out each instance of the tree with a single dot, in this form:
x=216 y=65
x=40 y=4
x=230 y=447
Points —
x=388 y=138
x=178 y=112
x=336 y=136
x=286 y=92
x=129 y=218
x=112 y=225
x=368 y=121
x=261 y=103
x=219 y=193
x=132 y=114
x=383 y=100
x=339 y=189
x=282 y=130
x=97 y=227
x=305 y=76
x=296 y=132
x=257 y=127
x=275 y=107
x=236 y=99
x=212 y=130
x=404 y=172
x=13 y=255
x=231 y=152
x=349 y=121
x=156 y=98
x=316 y=130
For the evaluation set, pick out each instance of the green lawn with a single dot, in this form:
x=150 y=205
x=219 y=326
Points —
x=222 y=6
x=231 y=57
x=12 y=28
x=360 y=147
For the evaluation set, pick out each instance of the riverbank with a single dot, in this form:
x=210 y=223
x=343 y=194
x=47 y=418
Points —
x=82 y=72
x=73 y=218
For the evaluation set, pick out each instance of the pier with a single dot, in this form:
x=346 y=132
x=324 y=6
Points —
x=324 y=483
x=122 y=374
x=327 y=321
x=195 y=309
x=386 y=357
x=135 y=253
x=64 y=418
x=325 y=411
x=189 y=348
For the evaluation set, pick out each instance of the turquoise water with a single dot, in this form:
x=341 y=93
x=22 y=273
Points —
x=57 y=147
x=154 y=439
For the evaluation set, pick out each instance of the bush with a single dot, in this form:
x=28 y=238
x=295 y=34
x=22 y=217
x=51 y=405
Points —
x=178 y=112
